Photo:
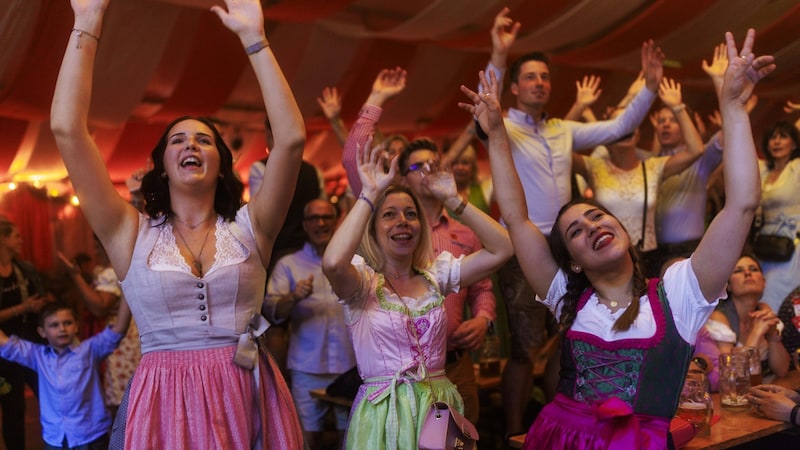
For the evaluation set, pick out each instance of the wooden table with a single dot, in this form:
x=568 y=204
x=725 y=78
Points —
x=736 y=426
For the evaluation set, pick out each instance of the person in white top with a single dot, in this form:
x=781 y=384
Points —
x=622 y=337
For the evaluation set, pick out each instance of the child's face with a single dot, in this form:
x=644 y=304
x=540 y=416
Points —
x=60 y=329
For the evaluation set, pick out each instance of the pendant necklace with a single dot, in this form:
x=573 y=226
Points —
x=196 y=260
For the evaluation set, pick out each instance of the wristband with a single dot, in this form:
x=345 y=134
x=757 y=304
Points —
x=78 y=32
x=461 y=207
x=361 y=196
x=257 y=47
x=793 y=415
x=678 y=108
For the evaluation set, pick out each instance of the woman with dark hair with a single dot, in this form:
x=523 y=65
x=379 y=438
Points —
x=627 y=341
x=744 y=320
x=193 y=268
x=780 y=207
x=393 y=294
x=21 y=299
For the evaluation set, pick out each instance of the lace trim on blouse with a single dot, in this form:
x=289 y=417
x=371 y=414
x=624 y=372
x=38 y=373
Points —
x=433 y=292
x=167 y=256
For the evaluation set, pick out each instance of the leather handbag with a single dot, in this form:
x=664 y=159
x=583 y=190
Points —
x=446 y=429
x=769 y=247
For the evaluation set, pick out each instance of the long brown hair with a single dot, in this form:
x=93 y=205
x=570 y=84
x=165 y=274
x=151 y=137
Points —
x=577 y=283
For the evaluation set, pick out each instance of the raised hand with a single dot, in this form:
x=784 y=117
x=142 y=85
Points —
x=504 y=31
x=715 y=118
x=588 y=90
x=440 y=183
x=719 y=63
x=791 y=107
x=330 y=102
x=744 y=69
x=652 y=65
x=699 y=123
x=486 y=106
x=243 y=17
x=387 y=84
x=670 y=92
x=370 y=168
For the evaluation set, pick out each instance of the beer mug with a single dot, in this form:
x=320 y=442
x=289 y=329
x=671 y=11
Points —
x=754 y=362
x=734 y=379
x=695 y=405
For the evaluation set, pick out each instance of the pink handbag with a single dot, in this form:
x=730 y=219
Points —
x=446 y=429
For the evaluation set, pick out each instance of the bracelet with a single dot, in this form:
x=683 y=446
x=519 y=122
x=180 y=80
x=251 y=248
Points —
x=257 y=47
x=361 y=196
x=678 y=108
x=461 y=207
x=793 y=415
x=78 y=32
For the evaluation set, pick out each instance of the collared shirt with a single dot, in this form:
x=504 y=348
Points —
x=447 y=234
x=542 y=151
x=70 y=393
x=452 y=236
x=681 y=206
x=319 y=341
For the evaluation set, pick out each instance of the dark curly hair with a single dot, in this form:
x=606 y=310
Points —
x=155 y=188
x=782 y=128
x=577 y=283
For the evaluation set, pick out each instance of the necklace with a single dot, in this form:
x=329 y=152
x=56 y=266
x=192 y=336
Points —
x=196 y=260
x=398 y=276
x=613 y=303
x=192 y=227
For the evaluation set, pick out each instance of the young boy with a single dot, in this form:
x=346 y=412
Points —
x=70 y=394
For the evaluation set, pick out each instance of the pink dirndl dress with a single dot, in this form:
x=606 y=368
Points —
x=202 y=382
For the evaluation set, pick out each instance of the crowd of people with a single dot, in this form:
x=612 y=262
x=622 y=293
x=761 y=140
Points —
x=215 y=318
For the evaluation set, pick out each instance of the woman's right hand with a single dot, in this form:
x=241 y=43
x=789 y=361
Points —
x=374 y=179
x=764 y=320
x=33 y=304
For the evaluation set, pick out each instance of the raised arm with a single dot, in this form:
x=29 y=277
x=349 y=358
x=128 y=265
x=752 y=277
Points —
x=496 y=244
x=459 y=145
x=670 y=94
x=123 y=317
x=504 y=33
x=268 y=206
x=97 y=302
x=718 y=251
x=588 y=91
x=336 y=262
x=112 y=218
x=331 y=104
x=531 y=245
x=387 y=84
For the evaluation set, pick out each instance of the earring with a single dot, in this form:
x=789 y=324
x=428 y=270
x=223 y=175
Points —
x=164 y=175
x=575 y=268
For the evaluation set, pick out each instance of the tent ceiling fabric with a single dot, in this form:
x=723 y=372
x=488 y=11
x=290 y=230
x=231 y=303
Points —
x=159 y=59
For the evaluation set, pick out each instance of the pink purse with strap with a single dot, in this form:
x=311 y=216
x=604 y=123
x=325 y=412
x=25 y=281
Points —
x=446 y=429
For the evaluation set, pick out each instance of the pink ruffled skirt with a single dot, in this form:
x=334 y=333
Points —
x=199 y=399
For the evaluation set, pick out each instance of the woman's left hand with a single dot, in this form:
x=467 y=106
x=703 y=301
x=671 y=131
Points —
x=440 y=183
x=764 y=320
x=243 y=17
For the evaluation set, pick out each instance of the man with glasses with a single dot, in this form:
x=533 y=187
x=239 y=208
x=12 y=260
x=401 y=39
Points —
x=319 y=344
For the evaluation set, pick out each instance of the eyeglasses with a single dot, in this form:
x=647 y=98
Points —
x=318 y=217
x=429 y=166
